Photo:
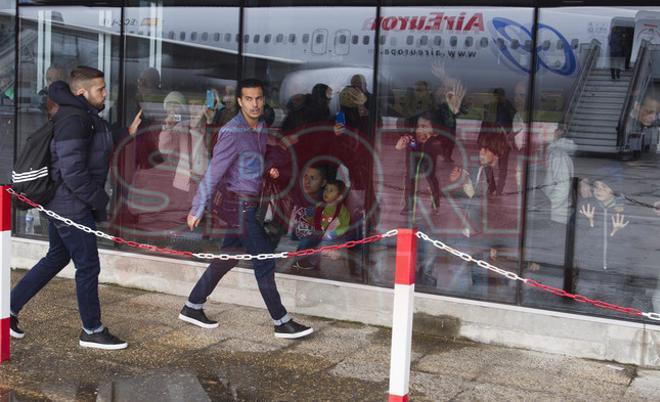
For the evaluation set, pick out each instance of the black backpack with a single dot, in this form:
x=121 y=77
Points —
x=31 y=173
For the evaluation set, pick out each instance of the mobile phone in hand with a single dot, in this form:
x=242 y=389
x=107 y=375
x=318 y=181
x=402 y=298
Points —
x=210 y=99
x=340 y=118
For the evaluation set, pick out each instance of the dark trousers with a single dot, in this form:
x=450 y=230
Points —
x=66 y=243
x=497 y=186
x=250 y=235
x=421 y=165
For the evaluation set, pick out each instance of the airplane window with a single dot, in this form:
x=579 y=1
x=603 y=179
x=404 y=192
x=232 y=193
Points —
x=292 y=38
x=342 y=39
x=182 y=35
x=246 y=38
x=205 y=36
x=171 y=35
x=560 y=45
x=501 y=44
x=469 y=41
x=382 y=39
x=424 y=40
x=216 y=37
x=306 y=38
x=267 y=38
x=546 y=45
x=528 y=45
x=355 y=39
x=453 y=41
x=392 y=40
x=365 y=40
x=193 y=36
x=227 y=37
x=575 y=43
x=256 y=38
x=409 y=40
x=515 y=44
x=320 y=38
x=237 y=38
x=437 y=40
x=483 y=42
x=279 y=38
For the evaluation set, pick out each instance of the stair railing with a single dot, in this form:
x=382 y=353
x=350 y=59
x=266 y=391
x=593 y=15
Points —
x=641 y=77
x=580 y=82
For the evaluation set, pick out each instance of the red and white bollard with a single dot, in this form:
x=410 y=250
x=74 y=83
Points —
x=5 y=278
x=402 y=316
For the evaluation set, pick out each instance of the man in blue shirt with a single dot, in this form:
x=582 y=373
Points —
x=238 y=166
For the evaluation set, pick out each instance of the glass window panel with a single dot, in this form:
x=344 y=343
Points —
x=305 y=88
x=449 y=166
x=53 y=41
x=158 y=172
x=591 y=217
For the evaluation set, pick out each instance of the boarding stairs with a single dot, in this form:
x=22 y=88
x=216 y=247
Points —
x=594 y=123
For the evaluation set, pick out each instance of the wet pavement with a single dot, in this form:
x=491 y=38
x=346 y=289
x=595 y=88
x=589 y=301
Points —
x=169 y=360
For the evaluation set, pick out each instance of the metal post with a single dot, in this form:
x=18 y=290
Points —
x=5 y=278
x=402 y=314
x=570 y=273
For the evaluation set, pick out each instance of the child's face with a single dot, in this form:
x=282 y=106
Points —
x=331 y=193
x=602 y=192
x=423 y=131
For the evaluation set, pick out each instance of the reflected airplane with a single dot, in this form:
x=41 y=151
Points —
x=483 y=47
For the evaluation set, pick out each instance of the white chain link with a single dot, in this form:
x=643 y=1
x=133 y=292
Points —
x=483 y=264
x=652 y=316
x=467 y=257
x=391 y=233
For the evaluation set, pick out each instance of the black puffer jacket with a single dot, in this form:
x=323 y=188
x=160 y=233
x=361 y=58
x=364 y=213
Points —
x=80 y=154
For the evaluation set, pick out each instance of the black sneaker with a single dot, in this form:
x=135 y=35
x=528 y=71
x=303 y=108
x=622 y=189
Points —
x=304 y=266
x=292 y=330
x=196 y=317
x=101 y=340
x=14 y=331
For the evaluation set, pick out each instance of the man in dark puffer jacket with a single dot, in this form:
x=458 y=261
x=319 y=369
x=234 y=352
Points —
x=80 y=153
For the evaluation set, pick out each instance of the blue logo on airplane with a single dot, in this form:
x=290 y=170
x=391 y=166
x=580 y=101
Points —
x=505 y=31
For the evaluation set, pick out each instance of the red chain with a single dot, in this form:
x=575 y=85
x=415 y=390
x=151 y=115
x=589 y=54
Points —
x=348 y=244
x=584 y=299
x=189 y=254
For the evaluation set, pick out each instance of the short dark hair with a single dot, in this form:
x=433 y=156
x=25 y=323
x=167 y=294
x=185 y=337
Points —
x=341 y=186
x=249 y=83
x=321 y=168
x=494 y=141
x=81 y=74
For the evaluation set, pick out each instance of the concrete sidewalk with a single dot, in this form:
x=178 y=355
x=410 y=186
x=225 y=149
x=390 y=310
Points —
x=169 y=360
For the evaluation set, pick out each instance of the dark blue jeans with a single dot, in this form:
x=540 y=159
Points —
x=66 y=243
x=252 y=237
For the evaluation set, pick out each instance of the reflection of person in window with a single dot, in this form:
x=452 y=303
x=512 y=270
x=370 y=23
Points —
x=330 y=223
x=187 y=143
x=617 y=52
x=559 y=174
x=498 y=123
x=471 y=190
x=604 y=217
x=422 y=148
x=647 y=115
x=313 y=181
x=450 y=100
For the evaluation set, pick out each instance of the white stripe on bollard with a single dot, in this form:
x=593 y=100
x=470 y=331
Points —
x=402 y=314
x=401 y=341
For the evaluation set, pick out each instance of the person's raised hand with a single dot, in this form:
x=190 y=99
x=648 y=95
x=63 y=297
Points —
x=133 y=128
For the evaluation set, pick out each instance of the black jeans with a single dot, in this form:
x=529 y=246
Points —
x=421 y=165
x=251 y=236
x=66 y=243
